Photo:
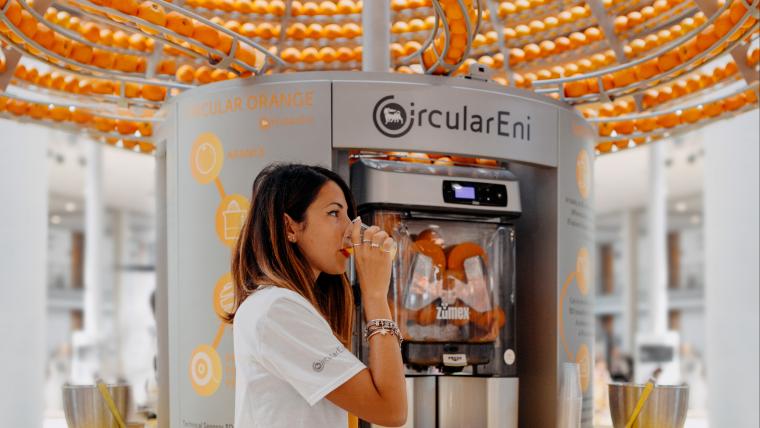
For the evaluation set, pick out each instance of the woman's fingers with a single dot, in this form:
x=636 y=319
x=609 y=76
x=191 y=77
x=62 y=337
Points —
x=378 y=239
x=388 y=244
x=369 y=233
x=356 y=231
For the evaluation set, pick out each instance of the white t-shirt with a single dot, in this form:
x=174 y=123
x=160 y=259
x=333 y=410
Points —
x=286 y=360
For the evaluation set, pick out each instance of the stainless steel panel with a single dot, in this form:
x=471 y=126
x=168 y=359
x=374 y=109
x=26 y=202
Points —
x=537 y=297
x=503 y=394
x=424 y=402
x=462 y=402
x=414 y=189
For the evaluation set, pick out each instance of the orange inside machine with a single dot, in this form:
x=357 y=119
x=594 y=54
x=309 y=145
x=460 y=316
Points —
x=453 y=290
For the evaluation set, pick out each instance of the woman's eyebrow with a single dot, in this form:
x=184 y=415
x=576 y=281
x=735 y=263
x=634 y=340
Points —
x=335 y=203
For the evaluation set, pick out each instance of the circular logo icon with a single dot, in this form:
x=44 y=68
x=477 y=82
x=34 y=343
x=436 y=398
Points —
x=224 y=295
x=205 y=370
x=206 y=158
x=318 y=366
x=390 y=118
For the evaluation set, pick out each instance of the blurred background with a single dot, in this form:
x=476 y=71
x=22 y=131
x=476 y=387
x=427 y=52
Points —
x=95 y=193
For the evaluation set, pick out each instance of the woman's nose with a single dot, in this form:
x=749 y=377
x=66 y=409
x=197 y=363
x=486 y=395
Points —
x=347 y=229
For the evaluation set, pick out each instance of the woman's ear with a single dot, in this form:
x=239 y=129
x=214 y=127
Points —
x=291 y=229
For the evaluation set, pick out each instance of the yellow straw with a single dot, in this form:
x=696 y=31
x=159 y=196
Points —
x=642 y=400
x=111 y=405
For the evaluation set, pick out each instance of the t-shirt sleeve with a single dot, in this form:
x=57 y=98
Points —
x=297 y=345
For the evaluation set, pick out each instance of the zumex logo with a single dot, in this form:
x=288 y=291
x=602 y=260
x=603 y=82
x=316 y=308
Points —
x=394 y=120
x=445 y=312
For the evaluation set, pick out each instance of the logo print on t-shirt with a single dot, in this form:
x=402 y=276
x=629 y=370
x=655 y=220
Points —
x=319 y=365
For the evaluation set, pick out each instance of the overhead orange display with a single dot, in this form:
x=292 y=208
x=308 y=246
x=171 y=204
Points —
x=662 y=55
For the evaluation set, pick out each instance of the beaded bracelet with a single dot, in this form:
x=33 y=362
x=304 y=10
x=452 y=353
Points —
x=382 y=326
x=383 y=331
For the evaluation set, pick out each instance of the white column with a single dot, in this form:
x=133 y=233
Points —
x=93 y=219
x=376 y=35
x=93 y=262
x=656 y=229
x=162 y=295
x=629 y=271
x=731 y=271
x=23 y=255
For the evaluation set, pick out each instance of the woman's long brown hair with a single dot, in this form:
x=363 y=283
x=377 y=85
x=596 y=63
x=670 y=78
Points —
x=263 y=254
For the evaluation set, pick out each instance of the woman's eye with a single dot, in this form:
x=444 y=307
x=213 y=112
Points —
x=333 y=213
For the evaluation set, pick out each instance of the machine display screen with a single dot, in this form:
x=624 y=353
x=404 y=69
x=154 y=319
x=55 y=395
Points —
x=463 y=192
x=475 y=193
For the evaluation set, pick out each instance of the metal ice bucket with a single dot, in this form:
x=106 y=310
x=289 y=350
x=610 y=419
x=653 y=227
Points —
x=85 y=408
x=665 y=408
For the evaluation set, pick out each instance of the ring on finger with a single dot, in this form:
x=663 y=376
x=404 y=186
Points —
x=374 y=245
x=366 y=241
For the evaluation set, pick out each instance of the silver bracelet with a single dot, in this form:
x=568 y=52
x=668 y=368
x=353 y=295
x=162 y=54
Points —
x=382 y=326
x=385 y=323
x=384 y=332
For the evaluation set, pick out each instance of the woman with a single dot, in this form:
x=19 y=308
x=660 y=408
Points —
x=293 y=315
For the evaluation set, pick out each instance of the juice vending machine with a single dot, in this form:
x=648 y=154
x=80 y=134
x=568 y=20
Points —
x=453 y=291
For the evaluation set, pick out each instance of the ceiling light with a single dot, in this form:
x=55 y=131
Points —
x=56 y=219
x=70 y=207
x=681 y=206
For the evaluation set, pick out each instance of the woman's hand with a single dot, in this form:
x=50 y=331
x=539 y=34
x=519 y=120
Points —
x=373 y=256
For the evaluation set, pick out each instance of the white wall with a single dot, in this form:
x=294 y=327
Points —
x=23 y=246
x=693 y=330
x=692 y=257
x=731 y=272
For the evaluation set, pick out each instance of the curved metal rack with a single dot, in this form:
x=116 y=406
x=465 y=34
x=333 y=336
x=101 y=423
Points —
x=92 y=70
x=611 y=143
x=670 y=110
x=73 y=35
x=612 y=147
x=440 y=17
x=75 y=129
x=637 y=87
x=95 y=109
x=226 y=58
x=83 y=99
x=480 y=43
x=681 y=11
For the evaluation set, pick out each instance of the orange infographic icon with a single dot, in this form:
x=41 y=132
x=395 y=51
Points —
x=583 y=270
x=230 y=218
x=583 y=173
x=206 y=158
x=224 y=295
x=583 y=358
x=205 y=370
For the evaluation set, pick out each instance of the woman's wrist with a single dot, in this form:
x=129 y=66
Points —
x=376 y=307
